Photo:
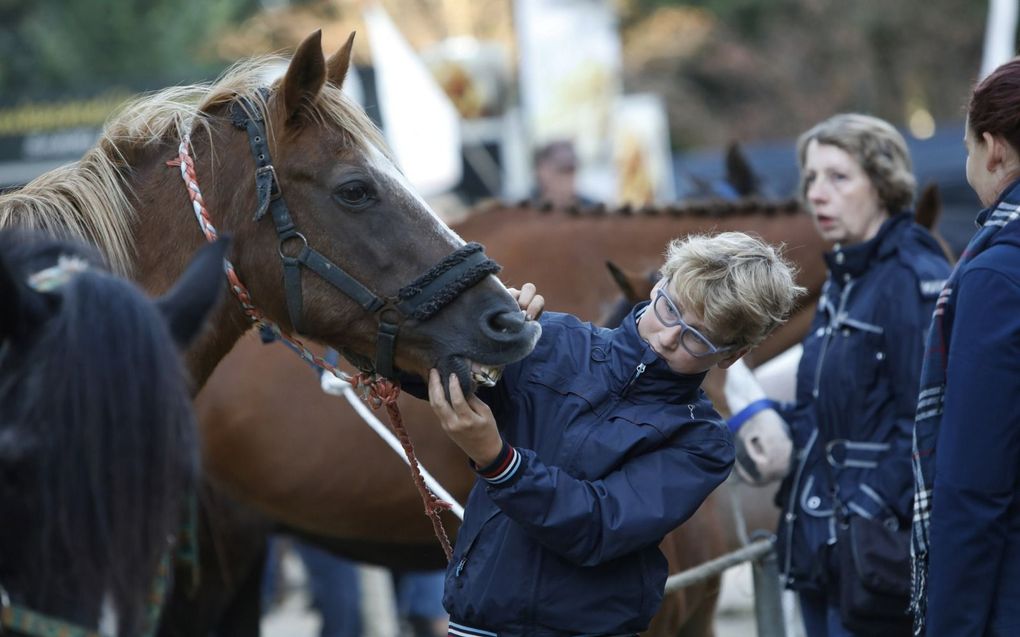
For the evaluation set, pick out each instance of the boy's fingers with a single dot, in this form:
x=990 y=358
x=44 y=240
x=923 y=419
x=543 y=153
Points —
x=456 y=394
x=436 y=396
x=535 y=307
x=527 y=294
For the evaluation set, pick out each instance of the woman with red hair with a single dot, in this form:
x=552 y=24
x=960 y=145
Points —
x=966 y=536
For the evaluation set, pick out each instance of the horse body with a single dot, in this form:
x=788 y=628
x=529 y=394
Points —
x=98 y=448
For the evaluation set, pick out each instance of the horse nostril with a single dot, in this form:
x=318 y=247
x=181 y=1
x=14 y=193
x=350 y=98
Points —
x=506 y=322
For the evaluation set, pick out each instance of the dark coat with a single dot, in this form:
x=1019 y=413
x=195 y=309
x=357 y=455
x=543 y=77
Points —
x=610 y=451
x=857 y=387
x=974 y=563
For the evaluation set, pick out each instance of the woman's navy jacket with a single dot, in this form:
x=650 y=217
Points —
x=974 y=572
x=612 y=451
x=857 y=387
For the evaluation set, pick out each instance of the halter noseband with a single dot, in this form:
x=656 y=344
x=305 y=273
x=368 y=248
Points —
x=420 y=300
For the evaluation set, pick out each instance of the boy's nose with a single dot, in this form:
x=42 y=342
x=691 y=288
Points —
x=671 y=337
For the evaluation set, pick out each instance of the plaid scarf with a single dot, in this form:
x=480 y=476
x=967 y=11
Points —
x=930 y=401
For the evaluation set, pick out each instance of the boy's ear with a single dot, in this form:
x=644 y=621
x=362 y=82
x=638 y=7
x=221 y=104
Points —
x=733 y=358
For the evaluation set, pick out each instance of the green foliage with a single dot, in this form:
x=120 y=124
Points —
x=51 y=47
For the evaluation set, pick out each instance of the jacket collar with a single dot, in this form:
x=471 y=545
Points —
x=855 y=260
x=629 y=350
x=1009 y=196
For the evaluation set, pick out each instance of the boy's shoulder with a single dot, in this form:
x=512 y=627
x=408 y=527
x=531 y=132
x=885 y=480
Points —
x=557 y=326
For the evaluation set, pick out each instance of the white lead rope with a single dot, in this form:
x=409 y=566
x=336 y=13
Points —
x=337 y=387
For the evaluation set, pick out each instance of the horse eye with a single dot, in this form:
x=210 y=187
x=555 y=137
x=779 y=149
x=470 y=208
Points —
x=354 y=193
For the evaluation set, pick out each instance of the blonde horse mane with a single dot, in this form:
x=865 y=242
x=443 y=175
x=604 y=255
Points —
x=91 y=199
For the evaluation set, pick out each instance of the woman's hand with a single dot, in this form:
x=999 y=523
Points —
x=467 y=421
x=529 y=299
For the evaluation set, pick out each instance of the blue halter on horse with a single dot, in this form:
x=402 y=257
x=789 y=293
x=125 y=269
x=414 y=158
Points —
x=98 y=443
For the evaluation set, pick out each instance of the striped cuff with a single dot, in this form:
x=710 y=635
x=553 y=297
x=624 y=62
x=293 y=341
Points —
x=503 y=469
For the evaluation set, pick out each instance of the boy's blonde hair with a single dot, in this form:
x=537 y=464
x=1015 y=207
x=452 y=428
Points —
x=878 y=149
x=740 y=286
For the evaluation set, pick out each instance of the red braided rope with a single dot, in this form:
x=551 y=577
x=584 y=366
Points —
x=380 y=390
x=387 y=392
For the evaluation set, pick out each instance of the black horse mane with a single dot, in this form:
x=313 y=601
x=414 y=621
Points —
x=717 y=208
x=97 y=440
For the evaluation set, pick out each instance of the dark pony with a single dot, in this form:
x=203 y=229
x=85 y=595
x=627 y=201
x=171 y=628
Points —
x=98 y=444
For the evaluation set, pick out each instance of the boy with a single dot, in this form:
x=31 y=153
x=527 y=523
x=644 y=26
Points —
x=599 y=443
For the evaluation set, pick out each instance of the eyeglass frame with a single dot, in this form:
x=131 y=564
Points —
x=687 y=328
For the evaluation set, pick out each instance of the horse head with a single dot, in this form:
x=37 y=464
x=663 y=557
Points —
x=97 y=438
x=366 y=265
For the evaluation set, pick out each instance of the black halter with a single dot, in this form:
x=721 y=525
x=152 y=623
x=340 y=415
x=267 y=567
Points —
x=419 y=300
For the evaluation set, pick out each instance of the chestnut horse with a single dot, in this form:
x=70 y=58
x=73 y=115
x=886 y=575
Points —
x=333 y=479
x=328 y=237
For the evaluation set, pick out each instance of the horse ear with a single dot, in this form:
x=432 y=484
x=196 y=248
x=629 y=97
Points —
x=929 y=207
x=622 y=280
x=738 y=171
x=305 y=75
x=186 y=306
x=338 y=63
x=23 y=307
x=10 y=297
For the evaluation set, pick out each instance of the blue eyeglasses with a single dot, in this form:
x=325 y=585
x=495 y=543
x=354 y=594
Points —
x=696 y=343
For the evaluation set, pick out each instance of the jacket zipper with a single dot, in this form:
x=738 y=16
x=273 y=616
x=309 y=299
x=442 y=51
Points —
x=790 y=514
x=640 y=369
x=835 y=321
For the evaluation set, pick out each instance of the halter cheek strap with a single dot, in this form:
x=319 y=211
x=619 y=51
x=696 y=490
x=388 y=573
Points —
x=420 y=300
x=29 y=622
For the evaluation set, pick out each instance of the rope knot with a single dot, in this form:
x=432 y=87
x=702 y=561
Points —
x=386 y=391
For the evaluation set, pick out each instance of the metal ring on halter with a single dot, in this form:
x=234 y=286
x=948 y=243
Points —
x=296 y=235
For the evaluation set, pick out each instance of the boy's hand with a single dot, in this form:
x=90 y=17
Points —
x=529 y=299
x=467 y=421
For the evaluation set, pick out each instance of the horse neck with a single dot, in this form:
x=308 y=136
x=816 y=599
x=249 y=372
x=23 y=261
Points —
x=167 y=234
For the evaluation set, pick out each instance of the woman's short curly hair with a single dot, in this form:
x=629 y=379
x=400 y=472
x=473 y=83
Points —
x=876 y=146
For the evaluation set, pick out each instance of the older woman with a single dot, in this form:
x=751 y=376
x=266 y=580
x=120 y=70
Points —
x=967 y=460
x=850 y=484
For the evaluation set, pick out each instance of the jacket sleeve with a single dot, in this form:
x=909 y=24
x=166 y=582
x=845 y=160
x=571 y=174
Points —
x=977 y=455
x=591 y=522
x=906 y=324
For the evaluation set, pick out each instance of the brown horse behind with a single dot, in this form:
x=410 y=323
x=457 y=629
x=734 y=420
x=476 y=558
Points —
x=331 y=477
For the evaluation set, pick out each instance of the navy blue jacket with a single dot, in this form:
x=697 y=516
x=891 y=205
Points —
x=857 y=387
x=610 y=451
x=974 y=569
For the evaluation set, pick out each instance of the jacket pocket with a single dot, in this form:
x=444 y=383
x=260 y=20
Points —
x=584 y=386
x=874 y=576
x=460 y=557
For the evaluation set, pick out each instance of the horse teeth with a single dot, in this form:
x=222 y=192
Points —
x=486 y=376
